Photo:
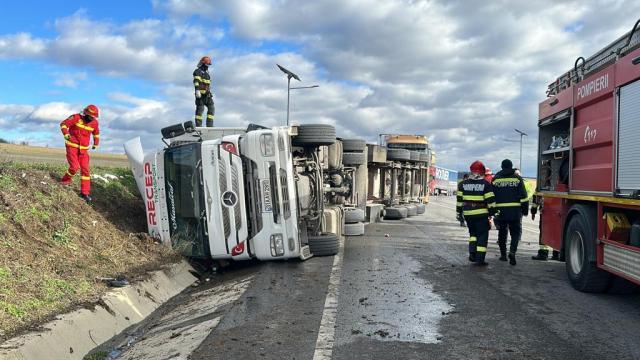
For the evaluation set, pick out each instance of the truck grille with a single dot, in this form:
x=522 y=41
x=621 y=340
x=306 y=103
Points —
x=222 y=180
x=235 y=183
x=622 y=260
x=286 y=208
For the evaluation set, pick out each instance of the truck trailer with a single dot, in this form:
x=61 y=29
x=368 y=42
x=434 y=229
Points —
x=233 y=193
x=589 y=167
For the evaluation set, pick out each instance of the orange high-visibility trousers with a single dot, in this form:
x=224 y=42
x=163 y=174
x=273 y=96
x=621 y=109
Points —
x=78 y=159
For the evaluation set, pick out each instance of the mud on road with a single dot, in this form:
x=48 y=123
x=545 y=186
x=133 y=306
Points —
x=406 y=291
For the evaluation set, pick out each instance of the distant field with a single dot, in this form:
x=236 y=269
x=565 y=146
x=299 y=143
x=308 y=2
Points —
x=36 y=154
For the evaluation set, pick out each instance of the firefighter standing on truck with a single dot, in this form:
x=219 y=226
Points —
x=537 y=204
x=475 y=201
x=512 y=203
x=77 y=130
x=204 y=97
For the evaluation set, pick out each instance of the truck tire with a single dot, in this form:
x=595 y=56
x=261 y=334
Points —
x=398 y=154
x=315 y=135
x=412 y=210
x=353 y=215
x=421 y=208
x=395 y=213
x=356 y=229
x=353 y=145
x=580 y=244
x=414 y=156
x=325 y=244
x=353 y=158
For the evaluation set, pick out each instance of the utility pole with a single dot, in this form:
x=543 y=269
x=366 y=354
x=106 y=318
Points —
x=522 y=133
x=289 y=88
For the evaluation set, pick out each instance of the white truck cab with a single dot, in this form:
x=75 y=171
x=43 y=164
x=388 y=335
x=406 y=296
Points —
x=229 y=193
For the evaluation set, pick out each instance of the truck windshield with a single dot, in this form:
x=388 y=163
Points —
x=185 y=200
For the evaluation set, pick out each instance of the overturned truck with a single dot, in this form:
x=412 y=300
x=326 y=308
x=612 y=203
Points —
x=234 y=193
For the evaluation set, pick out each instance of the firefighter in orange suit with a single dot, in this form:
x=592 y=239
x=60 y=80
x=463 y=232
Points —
x=77 y=130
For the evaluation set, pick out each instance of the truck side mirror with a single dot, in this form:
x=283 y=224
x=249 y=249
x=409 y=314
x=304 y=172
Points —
x=189 y=127
x=172 y=131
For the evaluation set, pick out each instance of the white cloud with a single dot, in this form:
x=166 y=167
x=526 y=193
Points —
x=69 y=79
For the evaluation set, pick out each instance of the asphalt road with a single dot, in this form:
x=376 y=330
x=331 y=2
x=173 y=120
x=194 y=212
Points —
x=403 y=291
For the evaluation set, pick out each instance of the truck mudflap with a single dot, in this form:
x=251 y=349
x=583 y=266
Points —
x=225 y=203
x=148 y=171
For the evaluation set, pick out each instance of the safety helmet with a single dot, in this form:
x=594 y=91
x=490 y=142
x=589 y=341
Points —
x=477 y=167
x=91 y=111
x=206 y=60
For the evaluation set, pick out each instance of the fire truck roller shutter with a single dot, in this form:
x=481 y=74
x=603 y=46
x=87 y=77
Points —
x=628 y=179
x=580 y=251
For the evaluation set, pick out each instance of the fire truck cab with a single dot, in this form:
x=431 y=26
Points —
x=589 y=167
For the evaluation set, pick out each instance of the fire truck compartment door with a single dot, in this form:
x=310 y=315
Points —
x=628 y=179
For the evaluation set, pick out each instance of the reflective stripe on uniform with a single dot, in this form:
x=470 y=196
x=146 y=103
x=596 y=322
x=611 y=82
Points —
x=488 y=195
x=206 y=81
x=198 y=117
x=458 y=204
x=196 y=77
x=524 y=200
x=85 y=177
x=475 y=212
x=473 y=198
x=77 y=146
x=473 y=239
x=507 y=204
x=70 y=174
x=85 y=127
x=506 y=180
x=64 y=127
x=481 y=249
x=96 y=136
x=492 y=204
x=209 y=116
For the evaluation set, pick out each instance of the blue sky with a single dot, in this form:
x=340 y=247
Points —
x=437 y=68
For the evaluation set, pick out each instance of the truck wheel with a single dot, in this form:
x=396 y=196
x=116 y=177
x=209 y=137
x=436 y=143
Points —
x=354 y=229
x=315 y=135
x=421 y=208
x=395 y=213
x=353 y=215
x=412 y=210
x=398 y=154
x=353 y=145
x=325 y=244
x=353 y=158
x=583 y=274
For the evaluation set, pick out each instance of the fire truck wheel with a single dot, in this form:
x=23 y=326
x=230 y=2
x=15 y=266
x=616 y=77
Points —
x=421 y=208
x=353 y=145
x=622 y=286
x=353 y=215
x=310 y=135
x=325 y=244
x=580 y=243
x=354 y=229
x=398 y=154
x=353 y=158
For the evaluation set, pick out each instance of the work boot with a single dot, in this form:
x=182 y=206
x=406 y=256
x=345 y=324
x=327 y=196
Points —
x=503 y=256
x=555 y=255
x=481 y=263
x=512 y=258
x=472 y=257
x=542 y=255
x=86 y=198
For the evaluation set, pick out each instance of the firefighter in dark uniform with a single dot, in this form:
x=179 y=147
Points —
x=512 y=202
x=204 y=97
x=475 y=201
x=537 y=204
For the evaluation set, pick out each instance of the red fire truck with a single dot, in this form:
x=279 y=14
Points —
x=589 y=167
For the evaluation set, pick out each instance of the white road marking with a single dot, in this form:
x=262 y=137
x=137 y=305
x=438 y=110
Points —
x=326 y=332
x=524 y=227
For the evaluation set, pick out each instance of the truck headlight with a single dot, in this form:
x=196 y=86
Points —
x=277 y=245
x=267 y=145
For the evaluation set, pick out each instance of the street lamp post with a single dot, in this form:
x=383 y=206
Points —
x=289 y=88
x=522 y=133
